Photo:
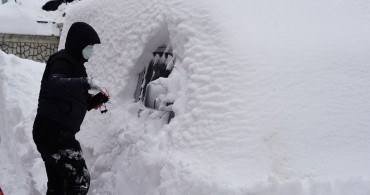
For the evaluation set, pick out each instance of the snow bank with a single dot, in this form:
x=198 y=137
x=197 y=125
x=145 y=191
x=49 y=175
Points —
x=21 y=18
x=19 y=87
x=270 y=97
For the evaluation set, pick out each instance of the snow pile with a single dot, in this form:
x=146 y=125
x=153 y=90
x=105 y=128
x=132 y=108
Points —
x=271 y=97
x=19 y=87
x=21 y=18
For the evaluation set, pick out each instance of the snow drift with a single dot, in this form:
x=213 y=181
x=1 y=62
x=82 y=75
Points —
x=20 y=168
x=21 y=18
x=270 y=97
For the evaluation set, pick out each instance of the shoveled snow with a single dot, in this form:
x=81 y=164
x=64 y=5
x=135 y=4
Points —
x=271 y=97
x=19 y=87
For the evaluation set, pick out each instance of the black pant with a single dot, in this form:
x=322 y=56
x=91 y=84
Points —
x=65 y=166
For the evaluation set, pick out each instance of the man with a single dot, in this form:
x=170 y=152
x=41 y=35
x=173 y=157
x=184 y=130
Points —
x=63 y=102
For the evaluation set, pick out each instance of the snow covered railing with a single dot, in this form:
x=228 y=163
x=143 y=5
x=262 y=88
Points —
x=33 y=47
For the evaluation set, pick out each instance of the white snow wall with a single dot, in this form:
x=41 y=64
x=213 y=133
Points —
x=20 y=163
x=270 y=96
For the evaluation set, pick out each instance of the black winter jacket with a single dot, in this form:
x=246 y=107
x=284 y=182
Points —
x=64 y=87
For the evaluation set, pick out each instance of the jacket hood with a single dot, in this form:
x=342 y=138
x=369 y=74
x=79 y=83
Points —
x=79 y=36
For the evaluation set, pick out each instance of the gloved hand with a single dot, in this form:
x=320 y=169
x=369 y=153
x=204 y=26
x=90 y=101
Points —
x=94 y=84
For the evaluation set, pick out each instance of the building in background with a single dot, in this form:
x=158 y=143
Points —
x=32 y=45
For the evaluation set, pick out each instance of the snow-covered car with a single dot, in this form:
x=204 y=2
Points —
x=149 y=90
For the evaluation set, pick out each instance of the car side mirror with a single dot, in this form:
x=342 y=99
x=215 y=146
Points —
x=153 y=91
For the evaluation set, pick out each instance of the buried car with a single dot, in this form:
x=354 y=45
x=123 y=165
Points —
x=149 y=89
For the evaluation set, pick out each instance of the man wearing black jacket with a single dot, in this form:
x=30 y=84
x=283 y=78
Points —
x=62 y=107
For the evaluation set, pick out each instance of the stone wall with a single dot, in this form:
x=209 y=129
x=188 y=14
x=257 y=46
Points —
x=33 y=47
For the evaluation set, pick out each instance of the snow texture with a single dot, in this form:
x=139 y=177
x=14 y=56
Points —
x=21 y=18
x=21 y=167
x=270 y=97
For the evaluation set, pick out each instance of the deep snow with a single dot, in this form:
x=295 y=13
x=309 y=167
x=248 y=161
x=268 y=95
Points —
x=19 y=85
x=21 y=18
x=271 y=97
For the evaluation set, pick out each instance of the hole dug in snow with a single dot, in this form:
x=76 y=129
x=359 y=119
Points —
x=151 y=88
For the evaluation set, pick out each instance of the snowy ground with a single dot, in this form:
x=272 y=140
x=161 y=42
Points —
x=271 y=97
